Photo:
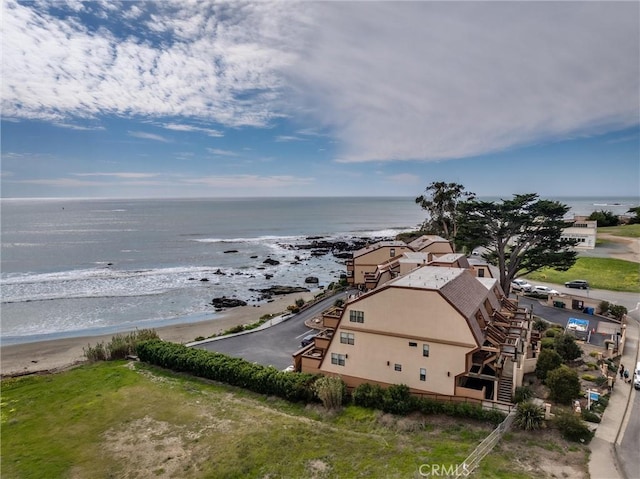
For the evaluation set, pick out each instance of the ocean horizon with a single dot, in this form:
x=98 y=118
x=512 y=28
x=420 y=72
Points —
x=75 y=267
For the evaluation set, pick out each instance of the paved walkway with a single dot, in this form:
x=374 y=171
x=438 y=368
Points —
x=603 y=462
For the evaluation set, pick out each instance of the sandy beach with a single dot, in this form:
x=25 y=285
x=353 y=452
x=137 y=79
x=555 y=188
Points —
x=61 y=353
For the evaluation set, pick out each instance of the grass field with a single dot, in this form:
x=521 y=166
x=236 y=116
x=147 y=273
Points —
x=630 y=231
x=129 y=420
x=602 y=273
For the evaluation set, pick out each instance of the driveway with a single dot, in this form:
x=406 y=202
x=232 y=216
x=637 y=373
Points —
x=271 y=346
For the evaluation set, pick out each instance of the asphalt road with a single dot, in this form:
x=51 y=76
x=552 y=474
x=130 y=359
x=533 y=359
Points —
x=275 y=345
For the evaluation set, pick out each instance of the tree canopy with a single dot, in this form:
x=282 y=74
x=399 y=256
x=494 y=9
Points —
x=440 y=200
x=520 y=235
x=604 y=218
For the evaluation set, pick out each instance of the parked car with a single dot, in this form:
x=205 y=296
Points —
x=544 y=290
x=308 y=339
x=577 y=283
x=636 y=377
x=520 y=285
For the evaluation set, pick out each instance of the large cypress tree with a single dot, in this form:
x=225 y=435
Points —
x=520 y=235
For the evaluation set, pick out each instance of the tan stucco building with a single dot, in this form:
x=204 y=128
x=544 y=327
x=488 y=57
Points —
x=441 y=330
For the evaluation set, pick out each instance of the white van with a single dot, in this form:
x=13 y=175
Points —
x=636 y=376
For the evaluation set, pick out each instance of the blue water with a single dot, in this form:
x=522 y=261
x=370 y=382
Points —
x=75 y=267
x=72 y=267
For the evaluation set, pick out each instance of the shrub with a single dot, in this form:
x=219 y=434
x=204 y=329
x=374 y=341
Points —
x=548 y=360
x=299 y=302
x=199 y=338
x=589 y=377
x=551 y=333
x=330 y=390
x=590 y=416
x=567 y=348
x=604 y=307
x=529 y=416
x=593 y=354
x=233 y=371
x=563 y=384
x=601 y=381
x=397 y=399
x=592 y=366
x=618 y=311
x=573 y=428
x=547 y=343
x=540 y=324
x=368 y=395
x=120 y=346
x=523 y=393
x=338 y=303
x=95 y=353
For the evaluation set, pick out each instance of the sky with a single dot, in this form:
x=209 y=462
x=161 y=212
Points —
x=225 y=99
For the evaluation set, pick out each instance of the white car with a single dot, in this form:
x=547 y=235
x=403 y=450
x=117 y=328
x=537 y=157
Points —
x=544 y=290
x=520 y=285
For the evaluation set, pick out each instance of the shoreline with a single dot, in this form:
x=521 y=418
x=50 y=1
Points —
x=57 y=354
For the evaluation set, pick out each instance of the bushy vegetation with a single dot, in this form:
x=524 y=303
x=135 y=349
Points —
x=331 y=391
x=540 y=324
x=529 y=416
x=120 y=346
x=522 y=394
x=617 y=311
x=396 y=399
x=547 y=343
x=572 y=427
x=604 y=218
x=548 y=360
x=567 y=348
x=233 y=371
x=563 y=384
x=590 y=416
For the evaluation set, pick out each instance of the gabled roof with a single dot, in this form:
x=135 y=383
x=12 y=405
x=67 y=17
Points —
x=457 y=259
x=378 y=245
x=423 y=241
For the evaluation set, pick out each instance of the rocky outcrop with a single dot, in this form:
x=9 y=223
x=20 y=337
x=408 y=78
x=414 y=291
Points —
x=271 y=261
x=311 y=280
x=231 y=251
x=224 y=302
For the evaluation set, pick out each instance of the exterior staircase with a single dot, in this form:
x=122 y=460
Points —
x=504 y=389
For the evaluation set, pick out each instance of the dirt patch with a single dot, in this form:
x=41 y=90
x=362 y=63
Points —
x=622 y=248
x=546 y=454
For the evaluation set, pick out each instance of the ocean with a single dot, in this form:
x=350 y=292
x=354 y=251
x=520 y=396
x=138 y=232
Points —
x=80 y=267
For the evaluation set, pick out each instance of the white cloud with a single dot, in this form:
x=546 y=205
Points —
x=439 y=80
x=287 y=138
x=181 y=127
x=216 y=62
x=389 y=80
x=148 y=136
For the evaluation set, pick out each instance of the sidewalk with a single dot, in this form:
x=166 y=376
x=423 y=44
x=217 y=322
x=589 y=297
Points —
x=603 y=462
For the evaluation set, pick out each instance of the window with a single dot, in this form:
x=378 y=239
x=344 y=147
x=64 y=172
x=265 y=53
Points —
x=412 y=344
x=481 y=273
x=347 y=338
x=338 y=359
x=397 y=367
x=425 y=350
x=423 y=374
x=392 y=252
x=356 y=316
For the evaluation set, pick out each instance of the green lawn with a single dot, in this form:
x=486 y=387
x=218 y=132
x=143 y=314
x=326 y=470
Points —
x=602 y=273
x=630 y=231
x=116 y=419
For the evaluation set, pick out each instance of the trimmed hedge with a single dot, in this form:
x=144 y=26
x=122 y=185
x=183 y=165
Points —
x=233 y=371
